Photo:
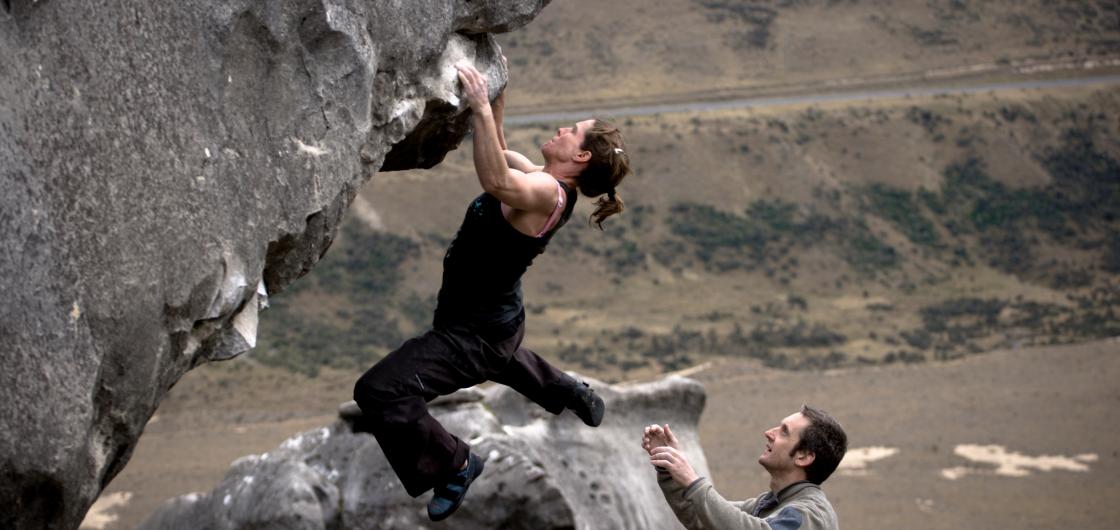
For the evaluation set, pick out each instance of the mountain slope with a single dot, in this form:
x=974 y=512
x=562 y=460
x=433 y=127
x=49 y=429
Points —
x=908 y=229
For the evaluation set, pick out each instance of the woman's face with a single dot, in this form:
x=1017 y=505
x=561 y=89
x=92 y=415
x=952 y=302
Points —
x=565 y=146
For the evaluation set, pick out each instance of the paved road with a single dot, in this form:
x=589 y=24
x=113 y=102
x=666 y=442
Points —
x=762 y=102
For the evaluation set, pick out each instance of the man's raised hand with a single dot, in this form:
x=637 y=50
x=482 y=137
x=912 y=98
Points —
x=656 y=436
x=673 y=460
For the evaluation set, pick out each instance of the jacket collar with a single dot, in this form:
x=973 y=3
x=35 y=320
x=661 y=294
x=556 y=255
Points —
x=793 y=489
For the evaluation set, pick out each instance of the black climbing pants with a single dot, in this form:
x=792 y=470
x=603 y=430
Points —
x=395 y=392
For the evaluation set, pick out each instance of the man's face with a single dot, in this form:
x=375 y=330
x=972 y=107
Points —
x=565 y=146
x=780 y=441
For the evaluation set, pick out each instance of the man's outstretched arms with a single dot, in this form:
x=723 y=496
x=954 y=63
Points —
x=693 y=499
x=665 y=454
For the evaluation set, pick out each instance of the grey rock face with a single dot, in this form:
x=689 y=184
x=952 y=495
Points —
x=163 y=166
x=542 y=471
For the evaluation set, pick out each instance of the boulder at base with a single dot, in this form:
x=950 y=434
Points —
x=542 y=471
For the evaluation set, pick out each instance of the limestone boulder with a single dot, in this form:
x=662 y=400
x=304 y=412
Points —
x=542 y=471
x=167 y=165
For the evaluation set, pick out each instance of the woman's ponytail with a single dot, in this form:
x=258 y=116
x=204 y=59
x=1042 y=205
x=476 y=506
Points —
x=606 y=207
x=609 y=164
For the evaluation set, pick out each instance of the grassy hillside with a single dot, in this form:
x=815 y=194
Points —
x=904 y=230
x=580 y=52
x=895 y=231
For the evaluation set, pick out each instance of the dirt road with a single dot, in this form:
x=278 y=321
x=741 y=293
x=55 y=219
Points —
x=832 y=94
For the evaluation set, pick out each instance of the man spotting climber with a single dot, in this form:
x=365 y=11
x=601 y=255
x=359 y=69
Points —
x=801 y=452
x=480 y=317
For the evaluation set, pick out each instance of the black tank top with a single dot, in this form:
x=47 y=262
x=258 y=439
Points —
x=483 y=265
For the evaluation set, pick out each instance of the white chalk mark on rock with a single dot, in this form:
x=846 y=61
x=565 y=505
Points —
x=311 y=150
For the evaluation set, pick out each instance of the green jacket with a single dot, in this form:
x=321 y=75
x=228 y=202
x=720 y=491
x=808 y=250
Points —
x=800 y=506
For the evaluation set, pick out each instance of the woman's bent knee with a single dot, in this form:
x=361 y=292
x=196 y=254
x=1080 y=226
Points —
x=372 y=389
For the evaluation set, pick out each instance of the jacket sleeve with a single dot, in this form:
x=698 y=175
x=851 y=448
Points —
x=699 y=507
x=802 y=516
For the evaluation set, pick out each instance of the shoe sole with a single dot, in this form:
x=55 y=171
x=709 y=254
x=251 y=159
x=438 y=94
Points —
x=596 y=409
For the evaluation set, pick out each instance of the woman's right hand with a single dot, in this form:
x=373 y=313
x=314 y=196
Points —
x=475 y=89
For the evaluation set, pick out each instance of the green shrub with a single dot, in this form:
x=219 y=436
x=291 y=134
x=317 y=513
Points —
x=757 y=17
x=1111 y=259
x=938 y=316
x=929 y=120
x=625 y=257
x=1081 y=204
x=711 y=230
x=901 y=209
x=778 y=216
x=904 y=356
x=1086 y=184
x=918 y=338
x=800 y=335
x=865 y=252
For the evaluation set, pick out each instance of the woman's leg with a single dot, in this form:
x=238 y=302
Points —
x=393 y=396
x=532 y=376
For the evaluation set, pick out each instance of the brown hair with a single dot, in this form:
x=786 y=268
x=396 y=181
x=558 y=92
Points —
x=825 y=438
x=609 y=164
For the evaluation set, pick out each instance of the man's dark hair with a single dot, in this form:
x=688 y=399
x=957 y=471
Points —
x=825 y=438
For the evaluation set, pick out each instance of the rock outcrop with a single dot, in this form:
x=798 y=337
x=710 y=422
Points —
x=542 y=471
x=164 y=166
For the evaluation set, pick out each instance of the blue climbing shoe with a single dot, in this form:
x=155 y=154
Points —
x=448 y=497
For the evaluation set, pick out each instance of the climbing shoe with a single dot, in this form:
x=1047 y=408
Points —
x=586 y=404
x=448 y=497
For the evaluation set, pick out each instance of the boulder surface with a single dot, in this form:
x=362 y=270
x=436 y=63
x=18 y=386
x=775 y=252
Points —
x=165 y=166
x=542 y=471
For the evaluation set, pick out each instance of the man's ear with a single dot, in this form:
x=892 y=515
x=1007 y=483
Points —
x=804 y=458
x=582 y=157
